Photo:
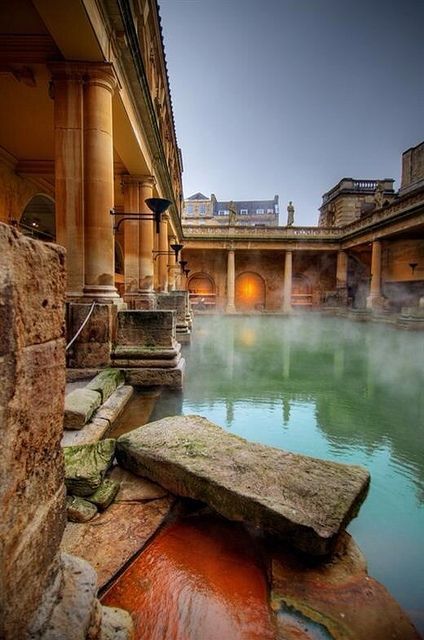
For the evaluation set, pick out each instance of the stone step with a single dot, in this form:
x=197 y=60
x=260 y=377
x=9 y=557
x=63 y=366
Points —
x=305 y=501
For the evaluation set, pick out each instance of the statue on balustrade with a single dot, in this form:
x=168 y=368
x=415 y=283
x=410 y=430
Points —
x=290 y=214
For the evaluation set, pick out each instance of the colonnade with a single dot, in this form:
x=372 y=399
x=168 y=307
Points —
x=84 y=185
x=373 y=300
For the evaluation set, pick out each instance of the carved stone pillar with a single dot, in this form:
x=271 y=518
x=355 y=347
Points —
x=172 y=267
x=99 y=255
x=287 y=292
x=341 y=276
x=131 y=235
x=68 y=130
x=163 y=259
x=146 y=237
x=231 y=268
x=374 y=299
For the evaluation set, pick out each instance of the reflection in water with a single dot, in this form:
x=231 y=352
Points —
x=198 y=580
x=331 y=389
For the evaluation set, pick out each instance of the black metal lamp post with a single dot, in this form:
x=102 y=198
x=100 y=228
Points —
x=156 y=205
x=176 y=248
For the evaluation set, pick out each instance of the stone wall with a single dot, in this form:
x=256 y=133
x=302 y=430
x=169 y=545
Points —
x=412 y=169
x=32 y=371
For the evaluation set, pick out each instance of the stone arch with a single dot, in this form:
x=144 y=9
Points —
x=38 y=218
x=201 y=283
x=250 y=293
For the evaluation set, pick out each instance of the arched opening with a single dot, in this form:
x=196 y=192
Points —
x=201 y=284
x=250 y=292
x=38 y=219
x=201 y=287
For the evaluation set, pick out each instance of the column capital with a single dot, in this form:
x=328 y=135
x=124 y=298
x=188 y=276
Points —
x=100 y=74
x=147 y=181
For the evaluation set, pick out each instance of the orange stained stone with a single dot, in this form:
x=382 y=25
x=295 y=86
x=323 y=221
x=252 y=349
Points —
x=198 y=580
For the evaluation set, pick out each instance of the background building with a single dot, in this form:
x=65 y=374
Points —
x=198 y=209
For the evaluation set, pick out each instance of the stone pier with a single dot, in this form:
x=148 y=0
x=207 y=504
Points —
x=43 y=594
x=146 y=348
x=177 y=301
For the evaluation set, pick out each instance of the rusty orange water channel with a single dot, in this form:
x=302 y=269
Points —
x=200 y=579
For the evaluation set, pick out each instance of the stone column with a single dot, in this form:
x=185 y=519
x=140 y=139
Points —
x=163 y=259
x=131 y=234
x=287 y=291
x=68 y=132
x=231 y=268
x=146 y=237
x=341 y=276
x=172 y=268
x=98 y=182
x=374 y=298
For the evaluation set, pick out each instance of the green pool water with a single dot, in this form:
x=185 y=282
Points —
x=333 y=389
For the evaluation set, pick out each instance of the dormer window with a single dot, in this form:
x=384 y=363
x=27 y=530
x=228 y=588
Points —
x=244 y=212
x=259 y=212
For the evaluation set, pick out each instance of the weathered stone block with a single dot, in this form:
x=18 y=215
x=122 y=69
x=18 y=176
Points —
x=306 y=501
x=32 y=285
x=86 y=466
x=146 y=328
x=80 y=406
x=117 y=624
x=106 y=382
x=105 y=494
x=93 y=346
x=31 y=406
x=155 y=376
x=79 y=510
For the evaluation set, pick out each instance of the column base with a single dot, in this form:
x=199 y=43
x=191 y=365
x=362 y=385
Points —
x=141 y=300
x=375 y=302
x=101 y=293
x=230 y=308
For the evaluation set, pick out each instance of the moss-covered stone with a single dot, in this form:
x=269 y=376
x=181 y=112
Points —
x=79 y=510
x=79 y=407
x=105 y=494
x=106 y=382
x=306 y=501
x=86 y=466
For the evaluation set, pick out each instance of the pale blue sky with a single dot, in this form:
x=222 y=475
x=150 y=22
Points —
x=288 y=96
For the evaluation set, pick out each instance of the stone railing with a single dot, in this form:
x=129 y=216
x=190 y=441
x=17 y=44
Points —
x=363 y=186
x=261 y=233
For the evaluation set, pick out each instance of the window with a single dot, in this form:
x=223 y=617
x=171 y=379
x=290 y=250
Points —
x=259 y=211
x=189 y=209
x=222 y=212
x=243 y=212
x=202 y=209
x=270 y=210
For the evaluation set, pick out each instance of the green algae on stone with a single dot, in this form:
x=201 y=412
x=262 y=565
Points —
x=106 y=382
x=86 y=466
x=305 y=501
x=105 y=494
x=79 y=510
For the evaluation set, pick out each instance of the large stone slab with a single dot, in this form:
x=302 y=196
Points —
x=306 y=501
x=146 y=328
